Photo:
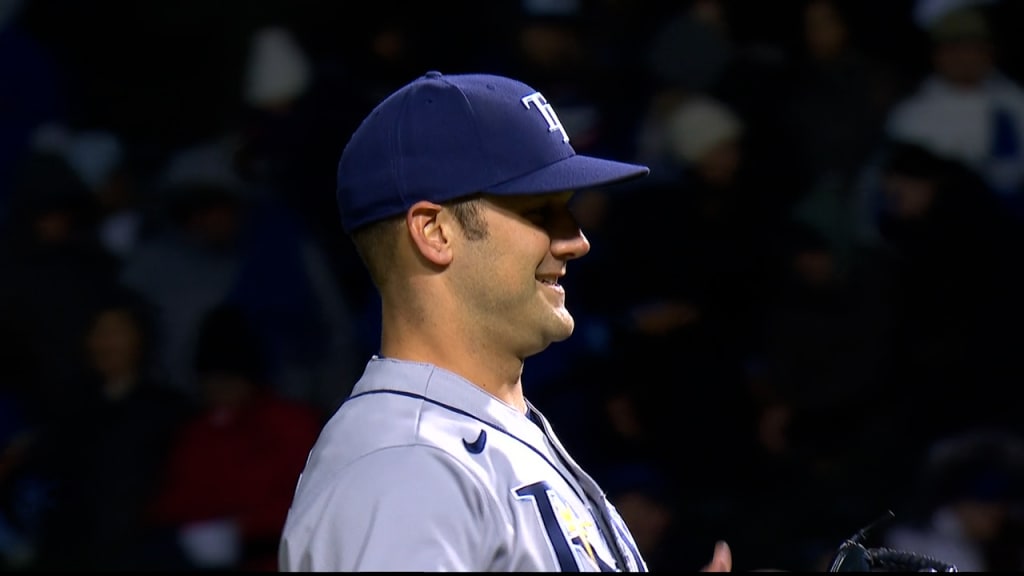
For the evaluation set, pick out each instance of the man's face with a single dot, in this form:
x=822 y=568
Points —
x=909 y=198
x=114 y=343
x=509 y=280
x=225 y=390
x=965 y=62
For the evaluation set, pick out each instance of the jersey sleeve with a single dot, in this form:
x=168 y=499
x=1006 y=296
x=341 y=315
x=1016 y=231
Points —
x=410 y=508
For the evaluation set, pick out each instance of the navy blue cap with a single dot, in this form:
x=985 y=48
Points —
x=443 y=137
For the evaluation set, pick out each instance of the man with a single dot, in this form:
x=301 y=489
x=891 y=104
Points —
x=455 y=191
x=968 y=108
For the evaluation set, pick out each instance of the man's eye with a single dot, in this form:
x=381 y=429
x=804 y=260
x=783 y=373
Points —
x=539 y=215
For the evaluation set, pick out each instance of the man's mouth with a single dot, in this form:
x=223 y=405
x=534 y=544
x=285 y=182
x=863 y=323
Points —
x=552 y=283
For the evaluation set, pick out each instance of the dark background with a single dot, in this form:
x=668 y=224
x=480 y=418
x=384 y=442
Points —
x=775 y=360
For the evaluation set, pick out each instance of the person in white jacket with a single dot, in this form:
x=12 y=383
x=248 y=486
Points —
x=966 y=108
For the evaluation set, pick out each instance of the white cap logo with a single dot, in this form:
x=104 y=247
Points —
x=547 y=112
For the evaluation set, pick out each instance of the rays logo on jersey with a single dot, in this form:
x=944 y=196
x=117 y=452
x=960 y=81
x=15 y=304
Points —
x=574 y=536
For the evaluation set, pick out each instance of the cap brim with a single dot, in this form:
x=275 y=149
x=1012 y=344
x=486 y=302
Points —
x=576 y=172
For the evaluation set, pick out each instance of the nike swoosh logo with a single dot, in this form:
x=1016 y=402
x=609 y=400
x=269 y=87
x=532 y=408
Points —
x=476 y=446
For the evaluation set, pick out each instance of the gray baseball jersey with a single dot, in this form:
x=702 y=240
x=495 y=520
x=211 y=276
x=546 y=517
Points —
x=421 y=470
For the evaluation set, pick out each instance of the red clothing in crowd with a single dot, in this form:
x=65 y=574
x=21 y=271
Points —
x=241 y=465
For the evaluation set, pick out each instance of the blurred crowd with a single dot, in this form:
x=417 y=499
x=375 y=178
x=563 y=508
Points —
x=805 y=316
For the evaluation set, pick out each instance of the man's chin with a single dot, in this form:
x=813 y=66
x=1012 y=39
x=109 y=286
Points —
x=563 y=331
x=557 y=334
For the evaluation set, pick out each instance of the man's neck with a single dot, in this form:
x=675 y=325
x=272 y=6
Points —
x=496 y=372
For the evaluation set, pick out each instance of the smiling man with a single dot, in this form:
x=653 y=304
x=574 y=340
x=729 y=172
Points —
x=455 y=190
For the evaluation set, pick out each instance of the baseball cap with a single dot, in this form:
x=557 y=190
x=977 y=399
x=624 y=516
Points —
x=442 y=137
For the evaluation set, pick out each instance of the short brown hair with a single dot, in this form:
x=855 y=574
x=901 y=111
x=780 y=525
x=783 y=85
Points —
x=376 y=243
x=467 y=213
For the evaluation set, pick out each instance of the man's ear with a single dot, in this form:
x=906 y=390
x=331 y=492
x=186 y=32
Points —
x=430 y=233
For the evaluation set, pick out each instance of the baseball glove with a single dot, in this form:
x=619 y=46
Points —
x=853 y=556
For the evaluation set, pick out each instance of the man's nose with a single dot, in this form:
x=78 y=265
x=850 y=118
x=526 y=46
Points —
x=570 y=245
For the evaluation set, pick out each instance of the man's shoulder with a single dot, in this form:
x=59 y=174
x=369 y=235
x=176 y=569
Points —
x=387 y=419
x=393 y=430
x=376 y=451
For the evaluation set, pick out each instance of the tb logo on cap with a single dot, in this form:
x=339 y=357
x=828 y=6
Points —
x=547 y=112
